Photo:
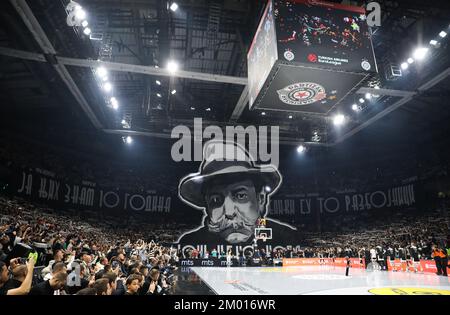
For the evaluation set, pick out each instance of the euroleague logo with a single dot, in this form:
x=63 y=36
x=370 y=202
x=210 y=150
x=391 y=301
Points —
x=304 y=93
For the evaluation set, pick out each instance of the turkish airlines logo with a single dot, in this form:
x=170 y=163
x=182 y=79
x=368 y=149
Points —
x=312 y=58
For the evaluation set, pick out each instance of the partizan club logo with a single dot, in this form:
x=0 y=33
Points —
x=366 y=65
x=304 y=93
x=289 y=55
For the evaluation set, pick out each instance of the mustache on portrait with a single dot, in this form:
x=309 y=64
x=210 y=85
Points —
x=222 y=224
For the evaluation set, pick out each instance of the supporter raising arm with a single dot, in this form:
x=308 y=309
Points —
x=26 y=284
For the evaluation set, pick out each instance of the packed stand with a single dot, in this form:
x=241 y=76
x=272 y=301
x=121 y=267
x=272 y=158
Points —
x=75 y=258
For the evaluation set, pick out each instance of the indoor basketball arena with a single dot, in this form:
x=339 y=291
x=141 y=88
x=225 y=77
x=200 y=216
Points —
x=224 y=147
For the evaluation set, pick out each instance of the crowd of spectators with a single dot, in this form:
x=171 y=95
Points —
x=80 y=254
x=125 y=261
x=77 y=258
x=399 y=234
x=370 y=236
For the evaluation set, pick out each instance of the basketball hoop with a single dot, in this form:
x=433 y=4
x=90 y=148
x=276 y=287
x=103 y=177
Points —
x=262 y=236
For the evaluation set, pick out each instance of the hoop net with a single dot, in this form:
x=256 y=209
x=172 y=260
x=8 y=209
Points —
x=262 y=237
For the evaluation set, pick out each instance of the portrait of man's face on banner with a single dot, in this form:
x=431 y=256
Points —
x=234 y=195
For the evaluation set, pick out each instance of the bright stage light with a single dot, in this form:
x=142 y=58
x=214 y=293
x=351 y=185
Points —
x=174 y=7
x=355 y=107
x=84 y=23
x=107 y=87
x=208 y=109
x=172 y=66
x=158 y=82
x=114 y=102
x=80 y=14
x=192 y=108
x=301 y=149
x=368 y=96
x=410 y=61
x=339 y=120
x=362 y=101
x=443 y=34
x=102 y=72
x=420 y=53
x=159 y=95
x=404 y=66
x=268 y=189
x=433 y=42
x=129 y=140
x=263 y=113
x=173 y=92
x=87 y=31
x=290 y=116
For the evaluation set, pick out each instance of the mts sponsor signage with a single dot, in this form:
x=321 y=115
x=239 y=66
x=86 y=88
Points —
x=213 y=262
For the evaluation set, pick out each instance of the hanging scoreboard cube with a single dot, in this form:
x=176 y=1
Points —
x=307 y=55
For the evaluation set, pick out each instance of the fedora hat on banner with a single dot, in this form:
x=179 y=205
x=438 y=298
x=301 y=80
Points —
x=225 y=159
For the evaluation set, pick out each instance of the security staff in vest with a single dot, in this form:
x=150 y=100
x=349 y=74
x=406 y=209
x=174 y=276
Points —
x=234 y=195
x=441 y=260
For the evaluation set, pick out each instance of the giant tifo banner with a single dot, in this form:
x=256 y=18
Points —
x=231 y=203
x=307 y=204
x=45 y=187
x=42 y=185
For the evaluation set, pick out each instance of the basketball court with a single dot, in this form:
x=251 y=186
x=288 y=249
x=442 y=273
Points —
x=319 y=280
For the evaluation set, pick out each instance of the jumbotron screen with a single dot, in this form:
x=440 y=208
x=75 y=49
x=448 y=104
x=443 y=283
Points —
x=262 y=54
x=324 y=34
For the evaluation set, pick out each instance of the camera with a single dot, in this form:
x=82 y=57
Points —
x=21 y=261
